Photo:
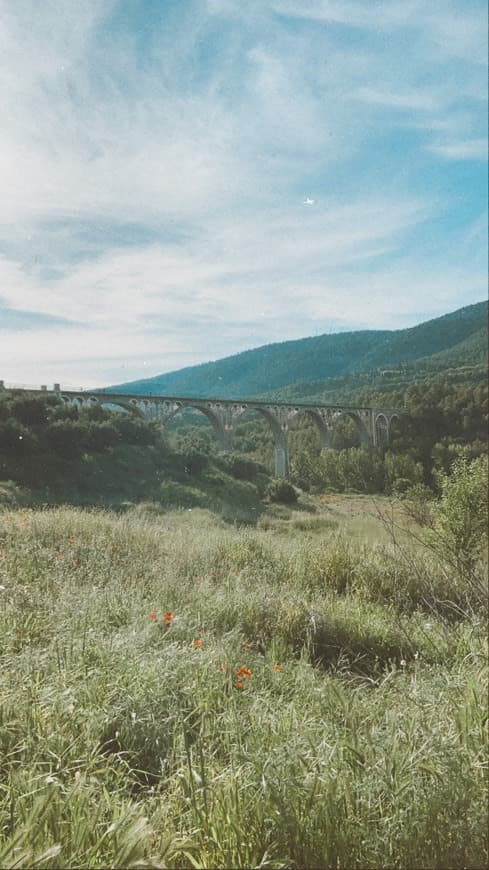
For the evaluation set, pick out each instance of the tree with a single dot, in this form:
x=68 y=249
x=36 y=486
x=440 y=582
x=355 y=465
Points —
x=461 y=515
x=280 y=490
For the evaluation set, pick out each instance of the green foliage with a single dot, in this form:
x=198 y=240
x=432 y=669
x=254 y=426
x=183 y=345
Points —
x=402 y=471
x=418 y=502
x=16 y=440
x=345 y=434
x=97 y=456
x=282 y=491
x=241 y=467
x=357 y=469
x=437 y=410
x=461 y=515
x=442 y=420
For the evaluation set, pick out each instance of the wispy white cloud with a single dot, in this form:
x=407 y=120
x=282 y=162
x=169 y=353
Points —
x=422 y=100
x=353 y=13
x=471 y=149
x=452 y=28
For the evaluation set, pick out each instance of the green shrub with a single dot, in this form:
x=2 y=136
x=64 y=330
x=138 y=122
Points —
x=461 y=515
x=241 y=467
x=176 y=495
x=280 y=490
x=417 y=501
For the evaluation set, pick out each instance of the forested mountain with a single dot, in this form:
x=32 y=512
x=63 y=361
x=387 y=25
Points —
x=458 y=338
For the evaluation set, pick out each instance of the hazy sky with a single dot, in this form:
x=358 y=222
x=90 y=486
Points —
x=184 y=179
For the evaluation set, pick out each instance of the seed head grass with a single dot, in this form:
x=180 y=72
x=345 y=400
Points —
x=181 y=693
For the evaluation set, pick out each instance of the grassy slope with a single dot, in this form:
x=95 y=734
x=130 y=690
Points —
x=129 y=475
x=312 y=359
x=357 y=740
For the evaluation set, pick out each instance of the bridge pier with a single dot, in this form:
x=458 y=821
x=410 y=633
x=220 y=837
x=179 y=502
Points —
x=282 y=458
x=225 y=437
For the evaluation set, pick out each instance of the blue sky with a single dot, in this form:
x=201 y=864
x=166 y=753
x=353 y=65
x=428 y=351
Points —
x=186 y=179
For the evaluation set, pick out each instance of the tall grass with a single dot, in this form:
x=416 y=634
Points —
x=306 y=701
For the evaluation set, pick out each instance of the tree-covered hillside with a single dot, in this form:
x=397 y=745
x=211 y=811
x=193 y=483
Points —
x=51 y=453
x=454 y=339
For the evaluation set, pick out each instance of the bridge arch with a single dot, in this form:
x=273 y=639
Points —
x=277 y=422
x=280 y=437
x=94 y=401
x=139 y=407
x=384 y=421
x=393 y=419
x=359 y=423
x=215 y=419
x=125 y=406
x=381 y=429
x=324 y=428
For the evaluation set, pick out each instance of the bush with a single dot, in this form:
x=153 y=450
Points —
x=241 y=468
x=402 y=471
x=16 y=440
x=418 y=502
x=279 y=490
x=461 y=515
x=11 y=495
x=66 y=438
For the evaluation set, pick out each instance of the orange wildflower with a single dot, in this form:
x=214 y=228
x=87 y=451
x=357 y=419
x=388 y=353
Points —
x=277 y=667
x=243 y=672
x=238 y=685
x=197 y=642
x=152 y=616
x=167 y=618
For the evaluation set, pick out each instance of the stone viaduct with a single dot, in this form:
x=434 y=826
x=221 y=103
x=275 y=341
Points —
x=373 y=424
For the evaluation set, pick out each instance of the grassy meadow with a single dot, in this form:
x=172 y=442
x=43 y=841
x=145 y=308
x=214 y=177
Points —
x=181 y=692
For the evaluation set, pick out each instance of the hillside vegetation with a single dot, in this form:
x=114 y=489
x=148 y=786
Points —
x=51 y=453
x=459 y=336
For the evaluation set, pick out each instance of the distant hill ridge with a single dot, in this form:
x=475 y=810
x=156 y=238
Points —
x=456 y=339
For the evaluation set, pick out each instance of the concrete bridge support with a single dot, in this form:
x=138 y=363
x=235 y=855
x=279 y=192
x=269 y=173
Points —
x=282 y=456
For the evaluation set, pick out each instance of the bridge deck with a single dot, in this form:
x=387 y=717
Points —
x=145 y=397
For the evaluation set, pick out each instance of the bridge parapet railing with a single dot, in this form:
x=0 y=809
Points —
x=40 y=388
